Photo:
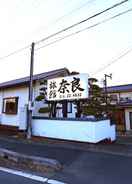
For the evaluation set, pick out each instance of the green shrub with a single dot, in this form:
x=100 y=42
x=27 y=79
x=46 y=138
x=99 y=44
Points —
x=39 y=98
x=44 y=110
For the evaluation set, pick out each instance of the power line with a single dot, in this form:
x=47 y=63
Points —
x=87 y=28
x=67 y=14
x=76 y=9
x=82 y=21
x=21 y=49
x=67 y=28
x=14 y=52
x=113 y=61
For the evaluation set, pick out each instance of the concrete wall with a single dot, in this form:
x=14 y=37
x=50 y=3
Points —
x=85 y=131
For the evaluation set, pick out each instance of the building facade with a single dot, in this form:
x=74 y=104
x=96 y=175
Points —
x=65 y=122
x=121 y=97
x=14 y=99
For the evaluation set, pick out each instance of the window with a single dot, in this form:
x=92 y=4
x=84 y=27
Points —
x=113 y=97
x=10 y=105
x=69 y=107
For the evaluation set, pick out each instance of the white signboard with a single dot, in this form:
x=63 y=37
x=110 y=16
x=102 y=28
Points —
x=71 y=87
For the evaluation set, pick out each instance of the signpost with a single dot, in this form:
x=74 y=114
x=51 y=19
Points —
x=68 y=88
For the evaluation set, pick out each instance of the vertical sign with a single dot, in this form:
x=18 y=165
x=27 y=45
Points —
x=68 y=88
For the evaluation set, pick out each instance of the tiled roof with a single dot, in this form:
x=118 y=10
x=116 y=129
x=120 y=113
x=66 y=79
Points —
x=121 y=88
x=46 y=75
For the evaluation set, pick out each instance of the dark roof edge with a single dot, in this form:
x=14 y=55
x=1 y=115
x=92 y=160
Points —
x=120 y=88
x=25 y=80
x=119 y=85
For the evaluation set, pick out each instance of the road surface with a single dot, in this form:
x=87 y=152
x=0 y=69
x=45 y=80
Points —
x=86 y=168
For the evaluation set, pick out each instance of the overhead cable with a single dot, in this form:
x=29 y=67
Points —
x=14 y=52
x=67 y=14
x=113 y=61
x=82 y=21
x=84 y=29
x=65 y=29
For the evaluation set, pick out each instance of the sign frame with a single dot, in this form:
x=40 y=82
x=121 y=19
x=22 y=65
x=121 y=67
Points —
x=73 y=87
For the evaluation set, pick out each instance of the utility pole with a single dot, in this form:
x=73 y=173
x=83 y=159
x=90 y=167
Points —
x=30 y=97
x=105 y=86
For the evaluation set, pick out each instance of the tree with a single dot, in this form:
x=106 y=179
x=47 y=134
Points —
x=49 y=107
x=96 y=103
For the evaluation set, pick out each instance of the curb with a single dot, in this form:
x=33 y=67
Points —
x=37 y=163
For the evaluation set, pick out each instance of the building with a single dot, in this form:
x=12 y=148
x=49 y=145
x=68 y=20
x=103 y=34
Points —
x=14 y=98
x=121 y=97
x=62 y=123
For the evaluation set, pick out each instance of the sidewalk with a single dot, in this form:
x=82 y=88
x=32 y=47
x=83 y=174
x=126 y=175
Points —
x=64 y=151
x=125 y=139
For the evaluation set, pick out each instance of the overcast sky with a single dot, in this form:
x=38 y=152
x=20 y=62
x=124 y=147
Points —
x=25 y=21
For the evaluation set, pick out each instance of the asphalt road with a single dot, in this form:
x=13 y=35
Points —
x=98 y=168
x=87 y=168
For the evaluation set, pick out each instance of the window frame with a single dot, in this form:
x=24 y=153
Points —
x=4 y=110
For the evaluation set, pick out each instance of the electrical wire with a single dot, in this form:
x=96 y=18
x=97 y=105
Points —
x=74 y=10
x=14 y=52
x=65 y=29
x=65 y=15
x=68 y=14
x=82 y=21
x=113 y=61
x=87 y=28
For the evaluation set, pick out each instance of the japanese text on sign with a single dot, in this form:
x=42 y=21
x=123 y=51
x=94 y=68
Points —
x=72 y=87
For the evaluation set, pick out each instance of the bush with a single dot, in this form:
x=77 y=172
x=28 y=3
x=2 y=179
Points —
x=39 y=98
x=44 y=110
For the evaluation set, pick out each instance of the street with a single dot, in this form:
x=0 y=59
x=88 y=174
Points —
x=98 y=168
x=86 y=168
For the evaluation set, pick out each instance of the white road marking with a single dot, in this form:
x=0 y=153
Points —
x=26 y=175
x=54 y=182
x=30 y=176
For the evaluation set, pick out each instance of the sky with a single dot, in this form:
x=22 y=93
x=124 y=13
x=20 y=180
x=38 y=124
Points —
x=90 y=51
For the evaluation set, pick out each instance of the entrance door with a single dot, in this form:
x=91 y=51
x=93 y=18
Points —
x=119 y=118
x=130 y=118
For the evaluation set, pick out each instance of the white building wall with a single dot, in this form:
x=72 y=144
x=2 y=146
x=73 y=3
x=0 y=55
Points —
x=22 y=94
x=19 y=119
